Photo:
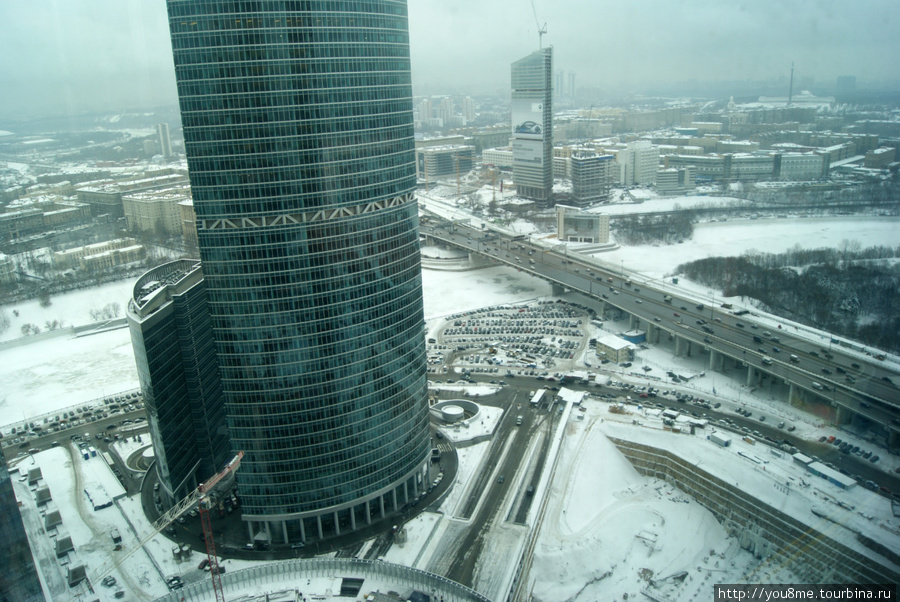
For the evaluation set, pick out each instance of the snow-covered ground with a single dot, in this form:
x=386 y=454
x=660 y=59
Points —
x=735 y=237
x=594 y=507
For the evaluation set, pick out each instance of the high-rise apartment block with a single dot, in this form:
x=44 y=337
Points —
x=468 y=107
x=298 y=127
x=531 y=110
x=165 y=141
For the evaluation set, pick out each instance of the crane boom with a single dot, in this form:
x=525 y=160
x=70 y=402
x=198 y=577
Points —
x=170 y=516
x=541 y=30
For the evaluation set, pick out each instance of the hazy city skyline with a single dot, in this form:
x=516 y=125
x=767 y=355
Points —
x=74 y=56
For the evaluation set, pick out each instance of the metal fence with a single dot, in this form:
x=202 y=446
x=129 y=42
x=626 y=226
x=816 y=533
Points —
x=384 y=575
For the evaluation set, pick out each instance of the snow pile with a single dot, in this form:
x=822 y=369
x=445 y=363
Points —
x=608 y=530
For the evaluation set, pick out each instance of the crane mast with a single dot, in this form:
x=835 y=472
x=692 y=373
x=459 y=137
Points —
x=202 y=498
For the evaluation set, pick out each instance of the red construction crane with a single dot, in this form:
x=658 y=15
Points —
x=201 y=498
x=206 y=490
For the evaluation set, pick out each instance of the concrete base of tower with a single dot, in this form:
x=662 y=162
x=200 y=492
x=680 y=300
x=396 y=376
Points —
x=336 y=527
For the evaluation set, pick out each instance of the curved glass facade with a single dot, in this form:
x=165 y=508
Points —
x=298 y=130
x=171 y=334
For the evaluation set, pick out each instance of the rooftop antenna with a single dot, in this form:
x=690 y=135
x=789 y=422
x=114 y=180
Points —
x=541 y=30
x=791 y=89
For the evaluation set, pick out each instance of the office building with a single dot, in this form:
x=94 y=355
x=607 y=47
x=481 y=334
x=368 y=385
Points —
x=175 y=353
x=592 y=177
x=574 y=225
x=439 y=161
x=20 y=580
x=638 y=162
x=298 y=128
x=532 y=126
x=680 y=180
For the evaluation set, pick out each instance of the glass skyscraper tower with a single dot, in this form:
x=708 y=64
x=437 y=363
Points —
x=531 y=107
x=298 y=131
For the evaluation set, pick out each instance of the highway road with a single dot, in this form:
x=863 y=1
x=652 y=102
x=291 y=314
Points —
x=861 y=384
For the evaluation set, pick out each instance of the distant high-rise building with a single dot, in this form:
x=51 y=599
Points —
x=172 y=336
x=20 y=581
x=446 y=111
x=165 y=142
x=560 y=75
x=572 y=84
x=592 y=177
x=639 y=162
x=531 y=110
x=469 y=109
x=426 y=111
x=299 y=137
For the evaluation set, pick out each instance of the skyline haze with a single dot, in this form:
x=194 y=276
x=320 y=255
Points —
x=70 y=57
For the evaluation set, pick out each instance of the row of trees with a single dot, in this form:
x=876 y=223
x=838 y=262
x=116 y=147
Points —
x=650 y=229
x=848 y=291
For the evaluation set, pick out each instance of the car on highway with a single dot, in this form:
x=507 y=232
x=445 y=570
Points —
x=676 y=314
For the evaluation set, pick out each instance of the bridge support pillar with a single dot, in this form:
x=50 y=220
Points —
x=790 y=398
x=679 y=347
x=631 y=321
x=557 y=289
x=477 y=260
x=751 y=375
x=842 y=415
x=715 y=359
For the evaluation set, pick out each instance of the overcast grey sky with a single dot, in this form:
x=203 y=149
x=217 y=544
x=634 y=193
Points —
x=76 y=54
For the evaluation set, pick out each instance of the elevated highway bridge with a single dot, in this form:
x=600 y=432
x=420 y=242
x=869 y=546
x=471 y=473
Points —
x=852 y=382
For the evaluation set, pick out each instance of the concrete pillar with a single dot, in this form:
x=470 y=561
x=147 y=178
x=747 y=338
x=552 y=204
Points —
x=268 y=532
x=381 y=503
x=250 y=530
x=319 y=526
x=678 y=346
x=790 y=393
x=337 y=524
x=751 y=375
x=284 y=531
x=713 y=358
x=353 y=518
x=405 y=492
x=302 y=531
x=368 y=513
x=394 y=498
x=842 y=415
x=630 y=321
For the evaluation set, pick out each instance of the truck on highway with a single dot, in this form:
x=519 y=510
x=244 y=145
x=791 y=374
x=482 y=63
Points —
x=794 y=358
x=667 y=298
x=817 y=386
